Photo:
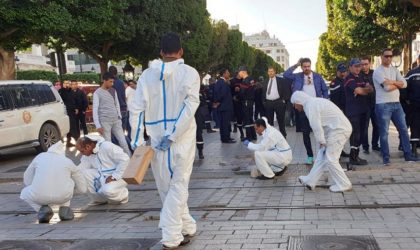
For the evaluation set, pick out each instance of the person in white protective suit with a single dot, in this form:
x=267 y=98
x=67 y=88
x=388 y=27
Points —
x=331 y=130
x=272 y=154
x=167 y=97
x=103 y=164
x=50 y=180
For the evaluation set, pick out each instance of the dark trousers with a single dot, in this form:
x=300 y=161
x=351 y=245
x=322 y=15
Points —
x=248 y=110
x=358 y=123
x=82 y=122
x=225 y=117
x=74 y=126
x=259 y=110
x=305 y=128
x=215 y=116
x=278 y=107
x=414 y=113
x=199 y=120
x=370 y=116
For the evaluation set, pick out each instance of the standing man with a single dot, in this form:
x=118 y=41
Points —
x=81 y=103
x=357 y=108
x=223 y=100
x=129 y=95
x=247 y=97
x=273 y=153
x=70 y=103
x=413 y=96
x=337 y=95
x=259 y=100
x=120 y=88
x=276 y=93
x=331 y=130
x=235 y=84
x=103 y=164
x=167 y=98
x=313 y=85
x=367 y=74
x=106 y=112
x=388 y=81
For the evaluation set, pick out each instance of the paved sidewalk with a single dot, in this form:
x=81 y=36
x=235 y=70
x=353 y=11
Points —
x=234 y=211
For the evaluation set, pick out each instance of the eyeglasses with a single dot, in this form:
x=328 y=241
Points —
x=309 y=80
x=388 y=56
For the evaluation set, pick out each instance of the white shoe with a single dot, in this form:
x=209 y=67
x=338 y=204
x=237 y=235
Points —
x=337 y=189
x=301 y=180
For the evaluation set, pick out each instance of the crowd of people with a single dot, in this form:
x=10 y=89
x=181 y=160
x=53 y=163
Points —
x=169 y=109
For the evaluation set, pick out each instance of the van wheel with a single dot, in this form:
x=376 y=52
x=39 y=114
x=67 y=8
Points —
x=48 y=135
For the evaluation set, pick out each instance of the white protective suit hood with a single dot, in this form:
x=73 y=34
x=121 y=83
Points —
x=169 y=68
x=57 y=148
x=98 y=139
x=300 y=97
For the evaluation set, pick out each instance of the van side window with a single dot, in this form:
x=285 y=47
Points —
x=45 y=94
x=5 y=103
x=24 y=95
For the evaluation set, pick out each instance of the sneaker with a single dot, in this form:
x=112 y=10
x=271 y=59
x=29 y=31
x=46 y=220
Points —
x=45 y=214
x=376 y=148
x=65 y=213
x=183 y=243
x=411 y=159
x=309 y=160
x=386 y=162
x=336 y=189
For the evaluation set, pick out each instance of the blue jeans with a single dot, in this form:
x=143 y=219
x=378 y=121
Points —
x=392 y=111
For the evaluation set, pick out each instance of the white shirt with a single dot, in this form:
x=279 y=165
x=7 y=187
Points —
x=274 y=94
x=308 y=85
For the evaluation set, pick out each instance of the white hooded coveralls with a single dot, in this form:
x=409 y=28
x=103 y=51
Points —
x=167 y=97
x=50 y=179
x=107 y=160
x=273 y=153
x=331 y=128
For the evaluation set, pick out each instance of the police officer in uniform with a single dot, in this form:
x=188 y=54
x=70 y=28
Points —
x=201 y=115
x=357 y=108
x=235 y=84
x=247 y=97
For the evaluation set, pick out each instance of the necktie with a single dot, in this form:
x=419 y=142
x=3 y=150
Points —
x=269 y=86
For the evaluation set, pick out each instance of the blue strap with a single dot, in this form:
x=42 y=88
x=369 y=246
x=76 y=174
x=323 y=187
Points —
x=280 y=150
x=108 y=170
x=138 y=129
x=169 y=163
x=160 y=121
x=179 y=115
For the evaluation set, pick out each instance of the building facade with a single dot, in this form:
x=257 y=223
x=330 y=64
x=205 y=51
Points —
x=272 y=46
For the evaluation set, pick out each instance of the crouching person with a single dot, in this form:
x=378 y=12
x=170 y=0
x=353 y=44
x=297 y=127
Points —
x=103 y=165
x=50 y=180
x=272 y=154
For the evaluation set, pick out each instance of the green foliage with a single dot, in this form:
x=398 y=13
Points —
x=53 y=77
x=37 y=75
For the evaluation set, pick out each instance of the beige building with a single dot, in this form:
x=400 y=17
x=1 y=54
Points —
x=272 y=46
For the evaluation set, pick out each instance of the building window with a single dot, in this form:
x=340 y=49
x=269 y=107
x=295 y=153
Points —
x=278 y=59
x=275 y=44
x=261 y=44
x=282 y=58
x=282 y=50
x=268 y=51
x=278 y=51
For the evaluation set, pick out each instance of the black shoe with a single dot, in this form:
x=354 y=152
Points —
x=229 y=141
x=200 y=155
x=344 y=154
x=411 y=159
x=366 y=151
x=209 y=131
x=262 y=177
x=45 y=214
x=376 y=148
x=280 y=173
x=183 y=243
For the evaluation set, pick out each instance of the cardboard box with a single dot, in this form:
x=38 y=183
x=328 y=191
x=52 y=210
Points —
x=138 y=165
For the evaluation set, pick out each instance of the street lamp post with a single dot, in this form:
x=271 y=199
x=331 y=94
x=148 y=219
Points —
x=128 y=71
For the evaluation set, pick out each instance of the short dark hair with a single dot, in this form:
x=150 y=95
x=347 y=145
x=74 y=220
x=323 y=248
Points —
x=113 y=70
x=272 y=67
x=170 y=43
x=305 y=60
x=107 y=75
x=260 y=122
x=366 y=58
x=222 y=71
x=73 y=80
x=387 y=49
x=83 y=141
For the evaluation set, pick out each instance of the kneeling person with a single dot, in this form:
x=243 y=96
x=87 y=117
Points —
x=50 y=179
x=103 y=164
x=273 y=153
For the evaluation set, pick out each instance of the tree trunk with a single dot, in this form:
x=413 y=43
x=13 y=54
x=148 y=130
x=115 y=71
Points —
x=103 y=63
x=7 y=64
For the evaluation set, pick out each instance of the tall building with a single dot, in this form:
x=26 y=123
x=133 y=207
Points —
x=272 y=46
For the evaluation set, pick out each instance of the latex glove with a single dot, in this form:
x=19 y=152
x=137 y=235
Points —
x=164 y=144
x=246 y=142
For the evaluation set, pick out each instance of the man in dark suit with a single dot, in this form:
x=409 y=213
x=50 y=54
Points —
x=276 y=93
x=223 y=101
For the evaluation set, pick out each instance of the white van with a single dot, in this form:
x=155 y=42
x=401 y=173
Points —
x=32 y=114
